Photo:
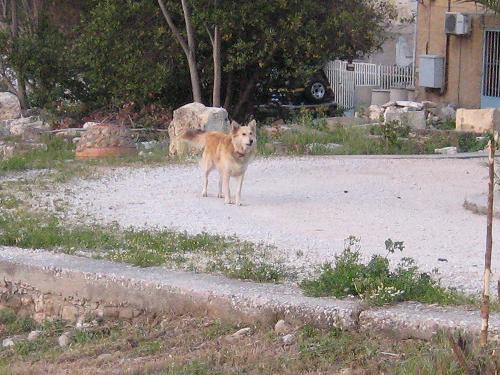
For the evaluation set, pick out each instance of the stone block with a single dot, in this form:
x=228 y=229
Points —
x=195 y=116
x=414 y=119
x=9 y=106
x=478 y=120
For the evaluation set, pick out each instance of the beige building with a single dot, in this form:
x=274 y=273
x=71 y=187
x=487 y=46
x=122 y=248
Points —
x=458 y=55
x=399 y=46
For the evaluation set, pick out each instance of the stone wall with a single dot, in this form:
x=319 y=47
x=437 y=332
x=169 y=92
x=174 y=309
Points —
x=28 y=301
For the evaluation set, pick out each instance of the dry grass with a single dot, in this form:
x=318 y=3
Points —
x=191 y=345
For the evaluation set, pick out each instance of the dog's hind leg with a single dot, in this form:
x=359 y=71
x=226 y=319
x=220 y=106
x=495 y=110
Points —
x=221 y=194
x=225 y=188
x=238 y=191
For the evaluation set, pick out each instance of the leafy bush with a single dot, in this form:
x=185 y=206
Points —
x=374 y=282
x=123 y=61
x=469 y=142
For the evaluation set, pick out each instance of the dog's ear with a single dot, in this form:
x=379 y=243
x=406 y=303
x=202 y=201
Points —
x=253 y=125
x=234 y=126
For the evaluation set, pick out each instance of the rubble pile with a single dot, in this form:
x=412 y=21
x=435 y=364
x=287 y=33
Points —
x=417 y=115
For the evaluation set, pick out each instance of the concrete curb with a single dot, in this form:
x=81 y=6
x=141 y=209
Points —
x=461 y=155
x=160 y=290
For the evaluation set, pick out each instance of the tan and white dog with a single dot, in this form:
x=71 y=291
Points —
x=229 y=153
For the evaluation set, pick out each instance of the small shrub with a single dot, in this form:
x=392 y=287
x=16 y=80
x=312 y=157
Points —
x=7 y=316
x=448 y=124
x=391 y=131
x=374 y=282
x=468 y=142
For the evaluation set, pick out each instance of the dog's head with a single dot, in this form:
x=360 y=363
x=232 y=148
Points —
x=244 y=137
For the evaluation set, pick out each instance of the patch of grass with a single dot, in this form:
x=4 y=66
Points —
x=13 y=324
x=140 y=247
x=150 y=347
x=250 y=262
x=374 y=282
x=376 y=355
x=448 y=124
x=56 y=153
x=193 y=368
x=7 y=316
x=26 y=348
x=8 y=201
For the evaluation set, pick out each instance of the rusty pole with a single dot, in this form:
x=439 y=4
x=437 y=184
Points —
x=485 y=306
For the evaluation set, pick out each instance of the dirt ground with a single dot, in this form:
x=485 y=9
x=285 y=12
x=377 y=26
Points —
x=308 y=206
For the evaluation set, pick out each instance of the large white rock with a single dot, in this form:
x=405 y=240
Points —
x=478 y=120
x=27 y=125
x=195 y=116
x=9 y=106
x=375 y=112
x=447 y=113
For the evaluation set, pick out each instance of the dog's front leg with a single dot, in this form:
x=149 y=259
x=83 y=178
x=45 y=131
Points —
x=225 y=188
x=238 y=192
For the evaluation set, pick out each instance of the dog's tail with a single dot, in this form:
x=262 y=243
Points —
x=195 y=137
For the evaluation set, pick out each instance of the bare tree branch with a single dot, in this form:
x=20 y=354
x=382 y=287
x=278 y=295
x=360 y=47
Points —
x=173 y=28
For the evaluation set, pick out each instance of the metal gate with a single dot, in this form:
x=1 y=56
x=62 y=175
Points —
x=344 y=81
x=490 y=96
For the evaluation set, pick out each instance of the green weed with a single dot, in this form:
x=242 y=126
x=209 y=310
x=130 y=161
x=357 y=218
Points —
x=374 y=282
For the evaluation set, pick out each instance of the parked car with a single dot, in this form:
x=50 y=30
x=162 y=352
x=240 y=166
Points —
x=315 y=90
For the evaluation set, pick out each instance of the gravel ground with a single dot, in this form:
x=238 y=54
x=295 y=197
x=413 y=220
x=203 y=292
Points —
x=308 y=206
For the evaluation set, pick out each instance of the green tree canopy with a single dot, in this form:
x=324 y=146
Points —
x=117 y=51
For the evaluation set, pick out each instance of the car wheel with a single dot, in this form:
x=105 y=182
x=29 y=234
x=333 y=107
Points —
x=316 y=91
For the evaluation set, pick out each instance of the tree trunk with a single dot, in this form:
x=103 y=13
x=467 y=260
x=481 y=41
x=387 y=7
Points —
x=195 y=78
x=21 y=92
x=188 y=47
x=245 y=94
x=193 y=69
x=14 y=27
x=229 y=92
x=13 y=20
x=485 y=307
x=216 y=52
x=217 y=68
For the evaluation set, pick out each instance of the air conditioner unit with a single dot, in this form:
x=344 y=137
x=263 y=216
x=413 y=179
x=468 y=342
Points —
x=457 y=23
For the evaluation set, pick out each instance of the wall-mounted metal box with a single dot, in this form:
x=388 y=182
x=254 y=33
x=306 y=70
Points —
x=431 y=71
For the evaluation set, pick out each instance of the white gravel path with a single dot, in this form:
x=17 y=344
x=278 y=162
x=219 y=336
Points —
x=313 y=204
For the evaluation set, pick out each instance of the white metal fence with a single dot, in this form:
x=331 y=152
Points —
x=344 y=81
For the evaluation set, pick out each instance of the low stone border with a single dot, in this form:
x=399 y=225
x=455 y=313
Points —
x=47 y=285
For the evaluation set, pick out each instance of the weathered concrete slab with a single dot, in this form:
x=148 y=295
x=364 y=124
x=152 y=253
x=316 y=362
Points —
x=415 y=320
x=157 y=289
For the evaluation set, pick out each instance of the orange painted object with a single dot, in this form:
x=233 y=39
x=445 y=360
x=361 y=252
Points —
x=103 y=152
